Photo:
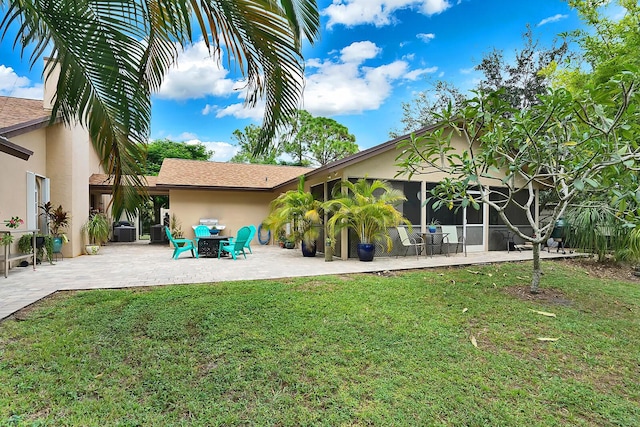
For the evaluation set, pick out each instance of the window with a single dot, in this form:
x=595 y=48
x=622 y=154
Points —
x=516 y=215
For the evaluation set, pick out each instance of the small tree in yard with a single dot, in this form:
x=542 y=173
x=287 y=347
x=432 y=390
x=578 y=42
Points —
x=565 y=144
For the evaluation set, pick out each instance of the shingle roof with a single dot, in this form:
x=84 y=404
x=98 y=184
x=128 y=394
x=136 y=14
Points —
x=16 y=113
x=199 y=174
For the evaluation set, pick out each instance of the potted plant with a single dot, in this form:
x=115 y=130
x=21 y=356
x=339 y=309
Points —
x=433 y=225
x=175 y=225
x=300 y=209
x=44 y=245
x=57 y=219
x=97 y=230
x=12 y=223
x=368 y=209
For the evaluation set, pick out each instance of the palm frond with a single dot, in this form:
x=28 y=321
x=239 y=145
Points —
x=263 y=37
x=112 y=54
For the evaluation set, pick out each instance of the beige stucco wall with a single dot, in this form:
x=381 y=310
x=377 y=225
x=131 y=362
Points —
x=70 y=161
x=66 y=157
x=233 y=209
x=13 y=173
x=13 y=176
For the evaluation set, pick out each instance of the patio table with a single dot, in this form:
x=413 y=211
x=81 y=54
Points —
x=208 y=245
x=434 y=239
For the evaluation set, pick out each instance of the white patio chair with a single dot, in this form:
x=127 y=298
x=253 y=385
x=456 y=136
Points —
x=450 y=236
x=408 y=242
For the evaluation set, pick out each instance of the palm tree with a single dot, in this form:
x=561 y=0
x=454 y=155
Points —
x=113 y=54
x=367 y=207
x=299 y=208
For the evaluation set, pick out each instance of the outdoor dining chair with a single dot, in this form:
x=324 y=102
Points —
x=236 y=245
x=251 y=236
x=181 y=245
x=201 y=231
x=408 y=242
x=452 y=238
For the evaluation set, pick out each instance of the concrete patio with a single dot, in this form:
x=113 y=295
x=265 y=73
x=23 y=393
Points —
x=124 y=265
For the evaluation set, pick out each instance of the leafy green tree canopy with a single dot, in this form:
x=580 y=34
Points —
x=318 y=140
x=161 y=149
x=613 y=47
x=248 y=141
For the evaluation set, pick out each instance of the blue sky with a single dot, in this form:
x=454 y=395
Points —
x=372 y=56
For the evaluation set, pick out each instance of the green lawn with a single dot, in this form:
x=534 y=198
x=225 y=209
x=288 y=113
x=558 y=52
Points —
x=338 y=350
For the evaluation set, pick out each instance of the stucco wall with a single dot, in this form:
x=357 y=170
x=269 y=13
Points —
x=13 y=173
x=13 y=176
x=70 y=162
x=233 y=209
x=66 y=157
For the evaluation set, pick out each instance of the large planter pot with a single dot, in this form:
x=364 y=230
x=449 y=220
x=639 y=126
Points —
x=92 y=249
x=57 y=244
x=308 y=250
x=366 y=251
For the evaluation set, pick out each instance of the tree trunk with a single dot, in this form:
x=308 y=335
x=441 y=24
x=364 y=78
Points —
x=535 y=277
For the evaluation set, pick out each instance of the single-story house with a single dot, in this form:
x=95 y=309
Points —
x=42 y=161
x=239 y=194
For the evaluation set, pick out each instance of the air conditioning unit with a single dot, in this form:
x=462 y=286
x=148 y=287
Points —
x=158 y=234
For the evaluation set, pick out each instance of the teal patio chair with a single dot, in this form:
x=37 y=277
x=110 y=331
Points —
x=251 y=236
x=181 y=245
x=235 y=245
x=201 y=231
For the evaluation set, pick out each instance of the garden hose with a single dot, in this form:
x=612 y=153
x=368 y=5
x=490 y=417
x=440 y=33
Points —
x=263 y=242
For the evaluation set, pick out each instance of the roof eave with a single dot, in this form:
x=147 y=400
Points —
x=211 y=187
x=31 y=125
x=14 y=150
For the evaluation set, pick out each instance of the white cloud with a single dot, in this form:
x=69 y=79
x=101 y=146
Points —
x=342 y=85
x=433 y=7
x=240 y=111
x=11 y=84
x=359 y=51
x=377 y=12
x=345 y=85
x=223 y=151
x=466 y=70
x=209 y=109
x=426 y=37
x=415 y=74
x=196 y=75
x=554 y=18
